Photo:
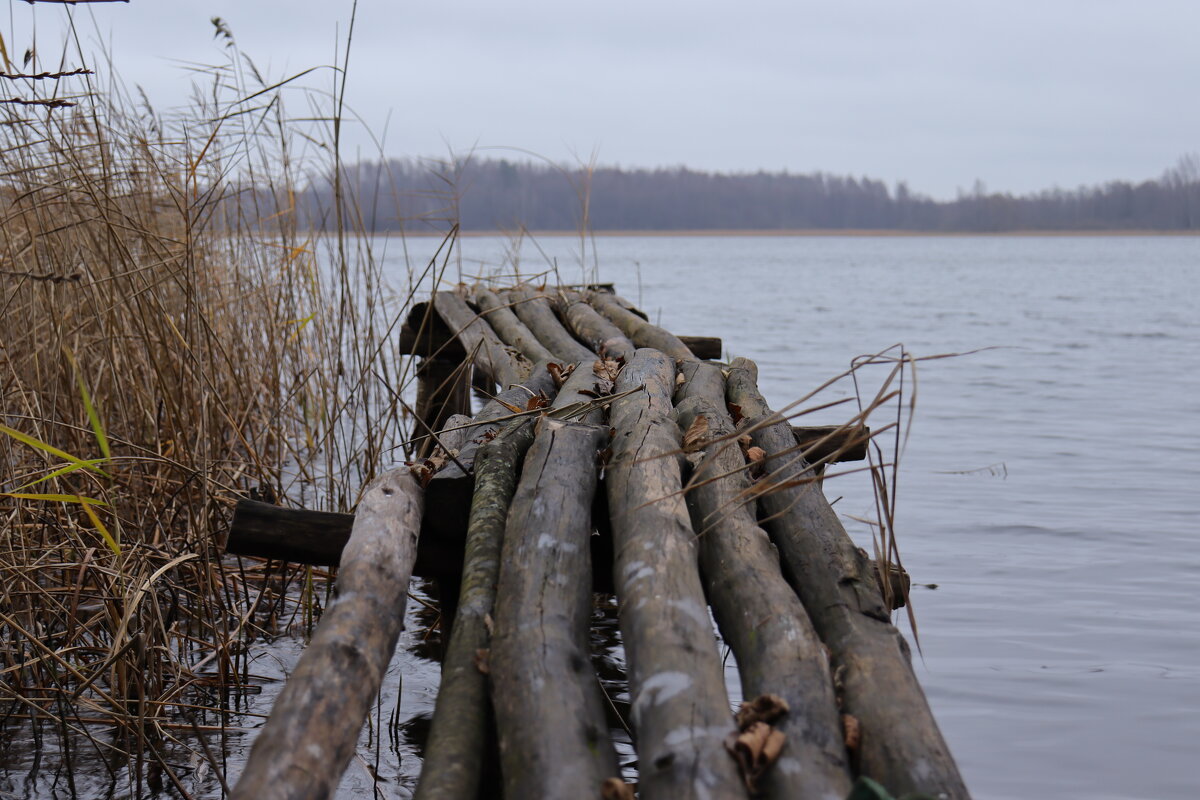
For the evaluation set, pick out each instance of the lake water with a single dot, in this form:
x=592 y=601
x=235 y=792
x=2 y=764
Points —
x=1051 y=485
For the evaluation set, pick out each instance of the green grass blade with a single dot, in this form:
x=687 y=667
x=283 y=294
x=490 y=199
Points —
x=57 y=498
x=37 y=444
x=112 y=543
x=69 y=468
x=93 y=417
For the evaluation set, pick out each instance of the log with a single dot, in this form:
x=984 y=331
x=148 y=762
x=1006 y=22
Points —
x=680 y=709
x=263 y=530
x=591 y=328
x=641 y=332
x=900 y=746
x=707 y=348
x=759 y=615
x=549 y=709
x=443 y=390
x=505 y=365
x=313 y=729
x=423 y=333
x=454 y=750
x=507 y=326
x=534 y=310
x=832 y=443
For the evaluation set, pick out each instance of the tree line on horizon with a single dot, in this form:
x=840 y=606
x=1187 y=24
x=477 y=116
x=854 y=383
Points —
x=497 y=194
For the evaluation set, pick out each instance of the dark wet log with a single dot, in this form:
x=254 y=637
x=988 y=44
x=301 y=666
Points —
x=454 y=751
x=591 y=328
x=313 y=728
x=832 y=443
x=508 y=326
x=549 y=710
x=680 y=706
x=641 y=332
x=707 y=348
x=263 y=530
x=533 y=308
x=505 y=365
x=901 y=746
x=423 y=333
x=759 y=615
x=443 y=390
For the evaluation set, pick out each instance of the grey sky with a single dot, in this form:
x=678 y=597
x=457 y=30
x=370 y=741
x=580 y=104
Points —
x=1023 y=95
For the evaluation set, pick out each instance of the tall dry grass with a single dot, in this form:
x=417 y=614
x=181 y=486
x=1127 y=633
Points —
x=170 y=340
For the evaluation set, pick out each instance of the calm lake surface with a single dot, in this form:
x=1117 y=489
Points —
x=1050 y=488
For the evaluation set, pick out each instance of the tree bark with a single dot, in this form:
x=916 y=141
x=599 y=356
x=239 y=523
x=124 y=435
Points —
x=508 y=326
x=759 y=615
x=680 y=707
x=454 y=750
x=313 y=729
x=901 y=746
x=487 y=353
x=641 y=332
x=534 y=310
x=594 y=330
x=549 y=714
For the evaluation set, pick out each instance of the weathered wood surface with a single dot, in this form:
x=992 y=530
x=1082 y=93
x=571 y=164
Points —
x=832 y=443
x=443 y=390
x=533 y=308
x=549 y=709
x=508 y=326
x=639 y=331
x=759 y=615
x=707 y=348
x=901 y=745
x=591 y=328
x=505 y=365
x=680 y=708
x=313 y=728
x=263 y=530
x=423 y=333
x=454 y=749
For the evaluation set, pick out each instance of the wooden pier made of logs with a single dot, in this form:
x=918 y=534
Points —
x=613 y=457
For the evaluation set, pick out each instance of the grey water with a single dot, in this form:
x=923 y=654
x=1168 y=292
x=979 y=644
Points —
x=1050 y=486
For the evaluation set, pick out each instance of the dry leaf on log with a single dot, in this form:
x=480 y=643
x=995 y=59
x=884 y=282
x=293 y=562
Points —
x=852 y=731
x=679 y=380
x=755 y=750
x=764 y=708
x=537 y=401
x=696 y=436
x=607 y=369
x=735 y=411
x=616 y=789
x=482 y=660
x=559 y=373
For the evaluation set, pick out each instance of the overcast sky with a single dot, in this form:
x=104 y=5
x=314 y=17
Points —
x=1022 y=95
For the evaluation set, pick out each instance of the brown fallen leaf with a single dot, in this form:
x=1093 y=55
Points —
x=755 y=749
x=482 y=660
x=852 y=731
x=679 y=380
x=537 y=401
x=757 y=458
x=764 y=708
x=696 y=436
x=559 y=372
x=735 y=411
x=616 y=789
x=607 y=369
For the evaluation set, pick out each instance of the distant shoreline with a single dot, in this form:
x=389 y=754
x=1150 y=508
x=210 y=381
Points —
x=815 y=233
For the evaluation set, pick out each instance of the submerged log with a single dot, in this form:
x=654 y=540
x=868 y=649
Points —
x=507 y=326
x=534 y=310
x=591 y=328
x=549 y=709
x=454 y=750
x=443 y=390
x=313 y=728
x=707 y=348
x=832 y=443
x=759 y=615
x=676 y=681
x=641 y=332
x=505 y=365
x=900 y=745
x=423 y=333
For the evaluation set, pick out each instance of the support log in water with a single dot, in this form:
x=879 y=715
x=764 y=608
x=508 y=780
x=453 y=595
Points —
x=549 y=708
x=590 y=327
x=777 y=650
x=534 y=310
x=313 y=728
x=508 y=326
x=706 y=348
x=443 y=390
x=639 y=331
x=676 y=681
x=900 y=746
x=454 y=750
x=505 y=365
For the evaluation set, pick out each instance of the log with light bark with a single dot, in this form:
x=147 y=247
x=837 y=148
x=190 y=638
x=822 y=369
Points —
x=454 y=751
x=508 y=326
x=549 y=709
x=759 y=615
x=314 y=726
x=639 y=331
x=680 y=709
x=505 y=365
x=533 y=308
x=590 y=327
x=900 y=745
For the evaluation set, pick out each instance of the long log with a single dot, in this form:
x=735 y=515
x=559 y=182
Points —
x=549 y=710
x=639 y=331
x=591 y=328
x=680 y=706
x=313 y=729
x=534 y=310
x=900 y=745
x=508 y=326
x=423 y=333
x=443 y=390
x=777 y=650
x=504 y=364
x=454 y=749
x=706 y=348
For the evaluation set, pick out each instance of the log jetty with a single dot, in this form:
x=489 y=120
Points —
x=612 y=457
